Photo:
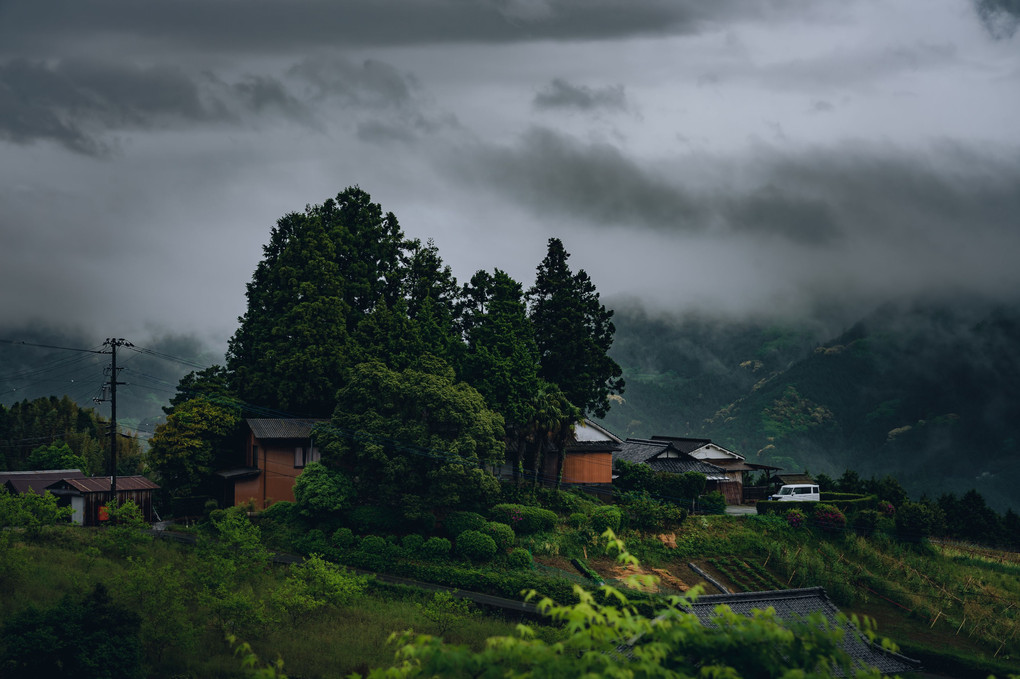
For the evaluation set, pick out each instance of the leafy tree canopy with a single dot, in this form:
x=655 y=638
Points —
x=196 y=436
x=415 y=438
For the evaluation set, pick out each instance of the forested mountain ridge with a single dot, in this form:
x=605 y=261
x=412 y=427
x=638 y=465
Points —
x=928 y=393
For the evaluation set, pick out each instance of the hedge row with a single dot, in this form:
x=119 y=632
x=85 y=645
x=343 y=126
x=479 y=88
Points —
x=845 y=506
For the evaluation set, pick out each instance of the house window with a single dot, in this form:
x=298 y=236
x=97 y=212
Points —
x=304 y=455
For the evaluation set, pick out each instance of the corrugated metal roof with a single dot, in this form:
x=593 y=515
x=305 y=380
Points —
x=791 y=604
x=36 y=481
x=101 y=484
x=279 y=428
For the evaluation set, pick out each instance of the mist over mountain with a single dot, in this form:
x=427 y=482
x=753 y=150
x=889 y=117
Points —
x=55 y=360
x=925 y=391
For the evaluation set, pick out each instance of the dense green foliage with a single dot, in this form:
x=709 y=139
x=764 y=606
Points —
x=88 y=637
x=414 y=440
x=48 y=433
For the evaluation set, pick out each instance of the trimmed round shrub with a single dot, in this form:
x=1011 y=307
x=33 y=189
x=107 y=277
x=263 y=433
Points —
x=476 y=546
x=412 y=543
x=436 y=548
x=829 y=518
x=372 y=544
x=642 y=512
x=502 y=534
x=344 y=538
x=519 y=559
x=606 y=517
x=456 y=523
x=578 y=520
x=795 y=518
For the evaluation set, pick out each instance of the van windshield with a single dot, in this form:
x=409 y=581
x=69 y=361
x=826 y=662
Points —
x=786 y=491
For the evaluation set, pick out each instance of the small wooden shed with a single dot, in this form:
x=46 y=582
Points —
x=88 y=496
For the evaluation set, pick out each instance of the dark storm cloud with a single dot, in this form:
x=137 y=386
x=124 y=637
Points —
x=66 y=102
x=76 y=102
x=595 y=182
x=269 y=25
x=1000 y=17
x=371 y=83
x=560 y=94
x=815 y=198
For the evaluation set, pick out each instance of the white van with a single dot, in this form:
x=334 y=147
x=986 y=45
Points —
x=798 y=492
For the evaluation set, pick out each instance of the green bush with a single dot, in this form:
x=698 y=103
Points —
x=436 y=548
x=344 y=538
x=578 y=520
x=712 y=503
x=523 y=519
x=605 y=517
x=865 y=521
x=565 y=501
x=412 y=543
x=914 y=521
x=456 y=523
x=502 y=534
x=372 y=544
x=519 y=559
x=313 y=542
x=643 y=512
x=476 y=546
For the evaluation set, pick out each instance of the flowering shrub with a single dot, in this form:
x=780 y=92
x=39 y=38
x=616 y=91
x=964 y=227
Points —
x=886 y=508
x=796 y=518
x=829 y=518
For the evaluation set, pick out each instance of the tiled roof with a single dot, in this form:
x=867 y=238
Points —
x=639 y=450
x=791 y=604
x=101 y=484
x=278 y=428
x=682 y=465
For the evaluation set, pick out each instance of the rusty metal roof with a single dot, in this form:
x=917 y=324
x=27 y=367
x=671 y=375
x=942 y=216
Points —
x=101 y=484
x=36 y=481
x=278 y=428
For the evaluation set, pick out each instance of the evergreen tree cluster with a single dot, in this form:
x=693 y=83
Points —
x=427 y=380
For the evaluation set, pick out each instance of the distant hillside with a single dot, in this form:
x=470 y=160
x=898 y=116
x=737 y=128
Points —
x=928 y=393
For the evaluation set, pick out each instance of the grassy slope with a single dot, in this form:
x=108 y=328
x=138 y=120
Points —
x=955 y=610
x=332 y=642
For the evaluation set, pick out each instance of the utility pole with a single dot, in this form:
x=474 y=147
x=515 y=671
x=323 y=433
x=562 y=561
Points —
x=113 y=343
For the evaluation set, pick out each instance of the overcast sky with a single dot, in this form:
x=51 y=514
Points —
x=732 y=155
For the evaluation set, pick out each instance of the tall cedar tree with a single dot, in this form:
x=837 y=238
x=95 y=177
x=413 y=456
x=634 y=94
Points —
x=574 y=332
x=322 y=272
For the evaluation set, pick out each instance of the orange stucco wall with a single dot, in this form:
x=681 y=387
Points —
x=588 y=468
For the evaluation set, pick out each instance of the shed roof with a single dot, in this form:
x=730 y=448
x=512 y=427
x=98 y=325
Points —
x=280 y=428
x=36 y=481
x=800 y=603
